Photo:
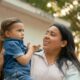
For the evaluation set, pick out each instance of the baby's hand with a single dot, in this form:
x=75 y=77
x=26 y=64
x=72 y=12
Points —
x=34 y=47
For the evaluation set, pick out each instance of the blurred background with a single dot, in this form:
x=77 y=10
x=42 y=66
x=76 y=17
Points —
x=38 y=15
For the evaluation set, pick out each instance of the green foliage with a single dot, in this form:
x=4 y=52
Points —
x=61 y=3
x=41 y=4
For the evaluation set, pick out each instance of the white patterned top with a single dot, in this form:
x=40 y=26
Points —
x=41 y=70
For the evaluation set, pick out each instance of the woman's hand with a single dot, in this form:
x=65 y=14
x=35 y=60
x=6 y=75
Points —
x=1 y=59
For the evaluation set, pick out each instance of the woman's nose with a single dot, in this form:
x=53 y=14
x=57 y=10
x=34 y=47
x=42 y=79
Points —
x=47 y=36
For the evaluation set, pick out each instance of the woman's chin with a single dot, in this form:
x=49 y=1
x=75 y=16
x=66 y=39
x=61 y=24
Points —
x=45 y=47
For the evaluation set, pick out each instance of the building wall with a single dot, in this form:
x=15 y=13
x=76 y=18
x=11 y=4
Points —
x=34 y=27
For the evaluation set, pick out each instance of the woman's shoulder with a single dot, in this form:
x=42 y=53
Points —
x=70 y=66
x=37 y=55
x=71 y=72
x=40 y=53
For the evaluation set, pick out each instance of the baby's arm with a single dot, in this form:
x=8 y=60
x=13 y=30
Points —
x=24 y=59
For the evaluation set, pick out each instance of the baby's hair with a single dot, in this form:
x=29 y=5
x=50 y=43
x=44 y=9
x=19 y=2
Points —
x=7 y=23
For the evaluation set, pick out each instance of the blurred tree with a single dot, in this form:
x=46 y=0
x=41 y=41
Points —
x=56 y=6
x=41 y=4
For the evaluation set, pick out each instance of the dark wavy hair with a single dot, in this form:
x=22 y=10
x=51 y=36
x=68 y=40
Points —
x=68 y=52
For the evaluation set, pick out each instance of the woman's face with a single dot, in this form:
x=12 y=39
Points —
x=52 y=39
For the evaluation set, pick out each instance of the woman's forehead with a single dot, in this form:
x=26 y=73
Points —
x=53 y=28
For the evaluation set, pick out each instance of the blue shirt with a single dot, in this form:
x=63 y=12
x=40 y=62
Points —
x=13 y=49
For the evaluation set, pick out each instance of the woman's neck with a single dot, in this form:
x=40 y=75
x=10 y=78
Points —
x=51 y=56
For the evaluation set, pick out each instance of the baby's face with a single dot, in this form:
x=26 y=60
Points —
x=17 y=31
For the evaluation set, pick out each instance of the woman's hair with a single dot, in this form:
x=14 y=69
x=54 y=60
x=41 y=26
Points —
x=68 y=52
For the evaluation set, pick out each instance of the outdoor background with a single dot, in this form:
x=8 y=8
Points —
x=38 y=15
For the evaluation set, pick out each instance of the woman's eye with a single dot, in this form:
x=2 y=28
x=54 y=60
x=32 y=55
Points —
x=52 y=34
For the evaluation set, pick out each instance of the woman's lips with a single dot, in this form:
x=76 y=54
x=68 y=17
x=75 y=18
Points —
x=46 y=42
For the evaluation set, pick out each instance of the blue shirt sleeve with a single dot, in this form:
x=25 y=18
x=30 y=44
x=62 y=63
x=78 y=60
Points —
x=13 y=49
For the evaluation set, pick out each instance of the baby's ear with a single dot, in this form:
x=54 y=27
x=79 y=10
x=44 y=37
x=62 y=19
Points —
x=64 y=43
x=7 y=33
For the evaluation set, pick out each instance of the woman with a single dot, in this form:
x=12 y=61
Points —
x=57 y=61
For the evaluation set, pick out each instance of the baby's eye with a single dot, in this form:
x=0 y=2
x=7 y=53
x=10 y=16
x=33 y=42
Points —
x=20 y=30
